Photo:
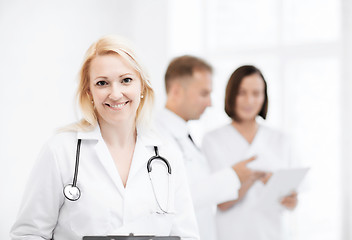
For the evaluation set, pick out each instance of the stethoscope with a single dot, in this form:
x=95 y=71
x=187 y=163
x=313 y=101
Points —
x=73 y=193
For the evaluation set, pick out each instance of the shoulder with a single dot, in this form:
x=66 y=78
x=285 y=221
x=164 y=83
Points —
x=165 y=144
x=53 y=154
x=61 y=139
x=274 y=133
x=218 y=132
x=214 y=140
x=59 y=146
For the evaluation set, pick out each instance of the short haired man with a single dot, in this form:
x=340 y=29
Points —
x=188 y=82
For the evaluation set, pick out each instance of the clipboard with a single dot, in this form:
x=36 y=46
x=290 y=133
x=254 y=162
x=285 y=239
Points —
x=131 y=237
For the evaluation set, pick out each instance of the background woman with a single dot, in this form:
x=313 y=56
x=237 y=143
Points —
x=246 y=98
x=117 y=196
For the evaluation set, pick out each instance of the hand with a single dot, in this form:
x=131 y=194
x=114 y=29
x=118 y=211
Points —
x=245 y=174
x=245 y=186
x=241 y=193
x=266 y=177
x=247 y=178
x=290 y=201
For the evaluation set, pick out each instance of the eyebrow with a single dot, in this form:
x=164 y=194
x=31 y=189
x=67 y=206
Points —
x=126 y=74
x=122 y=75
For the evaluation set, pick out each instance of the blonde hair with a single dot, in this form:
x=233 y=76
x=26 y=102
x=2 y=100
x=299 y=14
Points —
x=104 y=46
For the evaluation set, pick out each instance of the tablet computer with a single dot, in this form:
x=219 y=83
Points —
x=282 y=183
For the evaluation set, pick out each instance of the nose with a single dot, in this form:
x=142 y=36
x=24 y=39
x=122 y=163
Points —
x=209 y=103
x=249 y=99
x=115 y=92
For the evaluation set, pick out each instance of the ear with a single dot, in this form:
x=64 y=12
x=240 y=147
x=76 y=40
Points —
x=89 y=95
x=176 y=89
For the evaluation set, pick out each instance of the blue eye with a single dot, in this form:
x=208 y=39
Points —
x=101 y=83
x=127 y=80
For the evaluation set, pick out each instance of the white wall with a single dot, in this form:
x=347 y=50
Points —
x=346 y=118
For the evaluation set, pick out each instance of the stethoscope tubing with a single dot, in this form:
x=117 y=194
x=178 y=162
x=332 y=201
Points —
x=157 y=156
x=73 y=186
x=77 y=163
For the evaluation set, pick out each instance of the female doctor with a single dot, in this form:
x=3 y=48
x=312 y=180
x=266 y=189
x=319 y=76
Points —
x=245 y=218
x=107 y=174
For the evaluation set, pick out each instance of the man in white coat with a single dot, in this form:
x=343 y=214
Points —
x=188 y=82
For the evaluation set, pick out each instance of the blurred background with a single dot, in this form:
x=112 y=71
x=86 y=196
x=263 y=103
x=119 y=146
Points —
x=303 y=47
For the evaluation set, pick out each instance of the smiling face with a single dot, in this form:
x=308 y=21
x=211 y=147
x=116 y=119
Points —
x=115 y=88
x=250 y=97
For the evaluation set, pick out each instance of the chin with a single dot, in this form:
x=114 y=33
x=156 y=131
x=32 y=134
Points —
x=246 y=117
x=195 y=117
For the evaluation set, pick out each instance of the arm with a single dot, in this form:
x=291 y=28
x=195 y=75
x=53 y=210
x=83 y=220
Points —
x=207 y=189
x=246 y=185
x=241 y=193
x=227 y=185
x=245 y=176
x=215 y=188
x=185 y=224
x=41 y=202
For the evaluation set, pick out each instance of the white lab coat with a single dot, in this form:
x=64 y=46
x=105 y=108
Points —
x=207 y=189
x=105 y=207
x=247 y=219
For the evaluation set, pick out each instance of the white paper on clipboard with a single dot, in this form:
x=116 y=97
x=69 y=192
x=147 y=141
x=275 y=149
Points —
x=282 y=183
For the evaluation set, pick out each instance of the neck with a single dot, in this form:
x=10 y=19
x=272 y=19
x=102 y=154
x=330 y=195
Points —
x=175 y=109
x=248 y=129
x=245 y=124
x=121 y=135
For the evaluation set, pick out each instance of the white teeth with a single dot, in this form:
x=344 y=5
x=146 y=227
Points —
x=118 y=105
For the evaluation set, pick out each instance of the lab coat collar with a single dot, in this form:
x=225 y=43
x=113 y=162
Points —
x=146 y=139
x=174 y=123
x=94 y=134
x=147 y=136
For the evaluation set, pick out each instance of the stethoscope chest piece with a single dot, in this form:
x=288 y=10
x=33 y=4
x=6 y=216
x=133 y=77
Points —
x=71 y=192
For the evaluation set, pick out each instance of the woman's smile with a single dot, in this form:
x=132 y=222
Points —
x=116 y=106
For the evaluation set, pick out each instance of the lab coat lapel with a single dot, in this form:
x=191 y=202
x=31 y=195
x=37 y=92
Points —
x=106 y=160
x=104 y=156
x=143 y=151
x=140 y=158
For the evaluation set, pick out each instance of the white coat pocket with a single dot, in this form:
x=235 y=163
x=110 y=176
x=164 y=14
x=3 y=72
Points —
x=162 y=223
x=150 y=224
x=88 y=217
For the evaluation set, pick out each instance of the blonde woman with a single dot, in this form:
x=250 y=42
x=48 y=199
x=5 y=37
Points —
x=108 y=174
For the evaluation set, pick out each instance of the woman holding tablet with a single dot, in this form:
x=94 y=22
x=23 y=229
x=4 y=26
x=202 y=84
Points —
x=246 y=98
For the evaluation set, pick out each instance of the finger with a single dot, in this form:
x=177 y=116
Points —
x=266 y=177
x=289 y=201
x=249 y=160
x=259 y=174
x=292 y=195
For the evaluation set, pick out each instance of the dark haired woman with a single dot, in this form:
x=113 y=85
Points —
x=246 y=99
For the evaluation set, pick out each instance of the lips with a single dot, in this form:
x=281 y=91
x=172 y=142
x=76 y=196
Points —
x=247 y=109
x=116 y=106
